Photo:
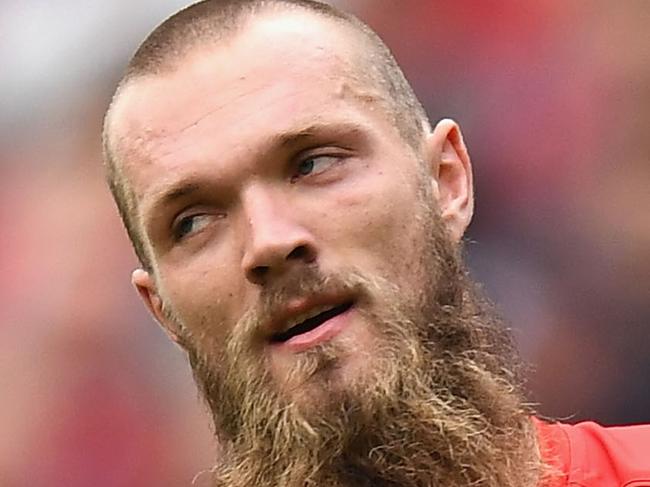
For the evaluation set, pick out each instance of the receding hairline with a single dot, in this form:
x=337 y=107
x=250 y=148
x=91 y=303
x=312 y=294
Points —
x=168 y=44
x=151 y=69
x=165 y=51
x=148 y=62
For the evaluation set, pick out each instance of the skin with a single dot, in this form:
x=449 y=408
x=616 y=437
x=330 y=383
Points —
x=238 y=128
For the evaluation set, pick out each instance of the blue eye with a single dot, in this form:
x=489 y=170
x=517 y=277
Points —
x=315 y=165
x=306 y=167
x=184 y=227
x=190 y=224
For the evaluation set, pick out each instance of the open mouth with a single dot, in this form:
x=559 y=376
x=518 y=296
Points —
x=311 y=323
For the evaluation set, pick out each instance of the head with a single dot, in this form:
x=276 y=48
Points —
x=299 y=222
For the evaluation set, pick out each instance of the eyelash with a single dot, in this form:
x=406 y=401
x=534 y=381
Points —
x=336 y=159
x=177 y=232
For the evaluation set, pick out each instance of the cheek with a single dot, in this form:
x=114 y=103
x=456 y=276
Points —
x=379 y=223
x=203 y=297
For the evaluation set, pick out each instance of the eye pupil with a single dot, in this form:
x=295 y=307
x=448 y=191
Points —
x=306 y=167
x=186 y=226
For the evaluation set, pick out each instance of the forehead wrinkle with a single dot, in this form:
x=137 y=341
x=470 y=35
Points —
x=148 y=147
x=215 y=110
x=326 y=48
x=148 y=201
x=346 y=66
x=282 y=140
x=341 y=64
x=144 y=146
x=175 y=188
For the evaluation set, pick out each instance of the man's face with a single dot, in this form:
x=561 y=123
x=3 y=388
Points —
x=303 y=253
x=254 y=164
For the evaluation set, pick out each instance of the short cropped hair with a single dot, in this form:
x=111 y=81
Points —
x=214 y=21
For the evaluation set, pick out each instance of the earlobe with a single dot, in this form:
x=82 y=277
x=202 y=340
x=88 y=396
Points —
x=146 y=288
x=451 y=173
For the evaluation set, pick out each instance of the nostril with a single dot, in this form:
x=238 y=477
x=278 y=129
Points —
x=259 y=272
x=301 y=252
x=277 y=262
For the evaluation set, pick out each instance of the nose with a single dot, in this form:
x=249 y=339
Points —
x=276 y=241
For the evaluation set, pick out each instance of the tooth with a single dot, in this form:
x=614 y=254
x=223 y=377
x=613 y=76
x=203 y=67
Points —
x=306 y=315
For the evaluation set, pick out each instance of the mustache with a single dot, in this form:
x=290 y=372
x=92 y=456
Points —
x=298 y=284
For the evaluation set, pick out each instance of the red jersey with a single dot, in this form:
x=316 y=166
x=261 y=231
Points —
x=589 y=455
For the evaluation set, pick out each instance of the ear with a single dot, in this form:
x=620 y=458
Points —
x=146 y=288
x=451 y=177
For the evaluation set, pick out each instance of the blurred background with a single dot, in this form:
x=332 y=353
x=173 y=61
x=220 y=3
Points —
x=554 y=100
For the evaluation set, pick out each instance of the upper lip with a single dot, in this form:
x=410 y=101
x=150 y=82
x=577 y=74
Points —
x=297 y=310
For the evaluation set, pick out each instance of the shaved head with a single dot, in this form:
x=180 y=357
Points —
x=218 y=22
x=300 y=228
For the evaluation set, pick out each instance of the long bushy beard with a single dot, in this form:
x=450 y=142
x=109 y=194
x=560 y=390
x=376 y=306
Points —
x=439 y=403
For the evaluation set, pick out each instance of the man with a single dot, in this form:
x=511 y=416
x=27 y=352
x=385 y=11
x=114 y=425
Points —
x=299 y=226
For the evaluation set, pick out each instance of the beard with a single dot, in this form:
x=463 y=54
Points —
x=439 y=401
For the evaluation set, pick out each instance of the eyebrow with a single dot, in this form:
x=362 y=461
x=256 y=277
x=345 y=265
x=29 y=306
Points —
x=168 y=195
x=183 y=188
x=293 y=138
x=176 y=192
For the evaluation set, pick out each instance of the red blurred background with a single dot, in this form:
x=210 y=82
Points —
x=554 y=100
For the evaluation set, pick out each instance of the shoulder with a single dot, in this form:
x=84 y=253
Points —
x=590 y=455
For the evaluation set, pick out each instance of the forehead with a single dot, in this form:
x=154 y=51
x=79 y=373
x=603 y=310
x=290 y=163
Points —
x=281 y=72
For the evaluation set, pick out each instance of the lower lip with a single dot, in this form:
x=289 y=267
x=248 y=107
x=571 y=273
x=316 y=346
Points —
x=318 y=335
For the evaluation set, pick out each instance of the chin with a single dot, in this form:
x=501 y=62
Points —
x=322 y=375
